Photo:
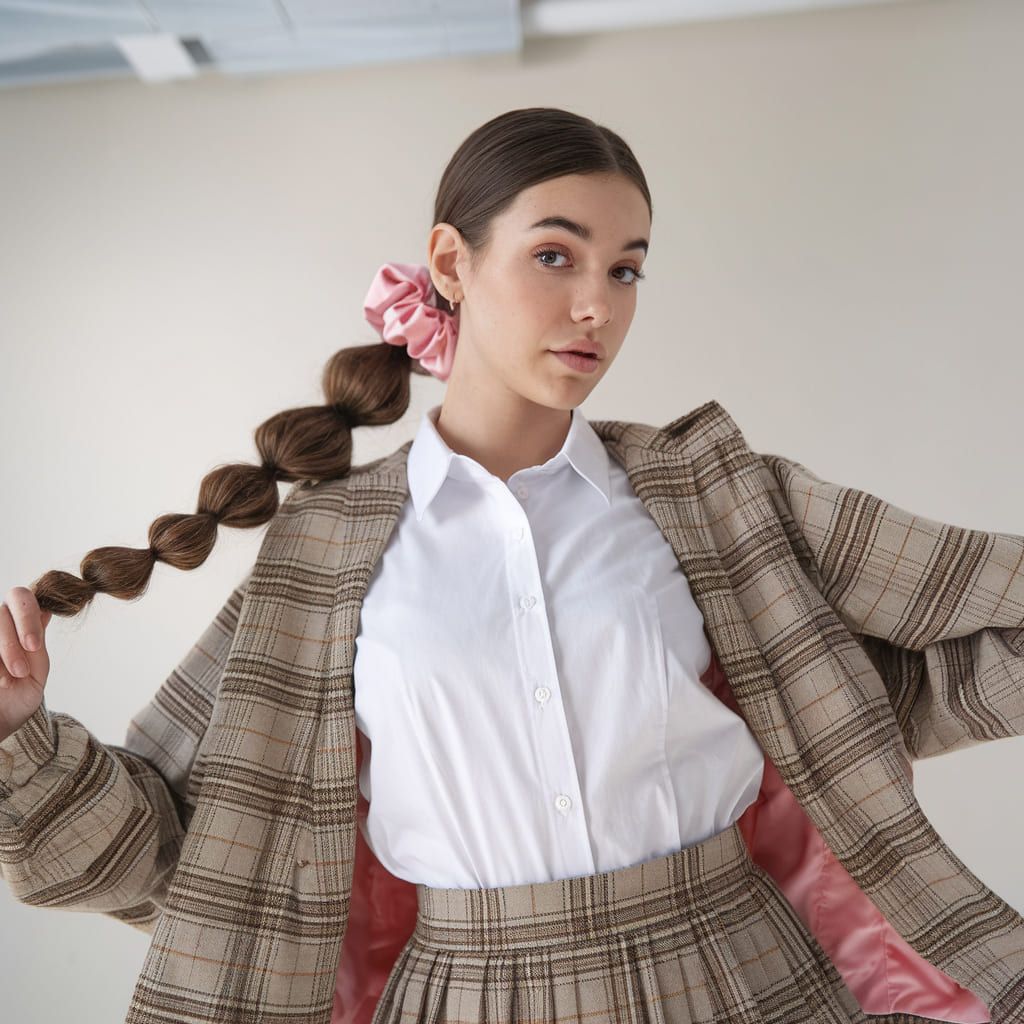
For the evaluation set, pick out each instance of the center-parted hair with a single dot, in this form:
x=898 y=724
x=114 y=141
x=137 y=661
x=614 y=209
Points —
x=364 y=385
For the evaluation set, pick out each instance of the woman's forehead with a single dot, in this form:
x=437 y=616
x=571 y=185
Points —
x=588 y=205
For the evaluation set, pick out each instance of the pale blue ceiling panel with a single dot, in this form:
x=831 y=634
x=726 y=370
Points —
x=321 y=12
x=326 y=35
x=423 y=38
x=306 y=51
x=250 y=36
x=40 y=38
x=29 y=29
x=495 y=22
x=198 y=17
x=72 y=64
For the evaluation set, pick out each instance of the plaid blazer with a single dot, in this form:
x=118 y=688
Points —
x=853 y=634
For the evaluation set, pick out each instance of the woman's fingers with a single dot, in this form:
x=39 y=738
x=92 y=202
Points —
x=24 y=663
x=12 y=654
x=22 y=631
x=27 y=617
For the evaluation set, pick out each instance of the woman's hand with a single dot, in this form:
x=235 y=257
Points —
x=24 y=663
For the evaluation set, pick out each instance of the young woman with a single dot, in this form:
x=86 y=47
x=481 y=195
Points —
x=632 y=709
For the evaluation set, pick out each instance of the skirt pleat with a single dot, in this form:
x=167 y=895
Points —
x=702 y=936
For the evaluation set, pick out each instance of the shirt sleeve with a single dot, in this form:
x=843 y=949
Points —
x=938 y=608
x=91 y=827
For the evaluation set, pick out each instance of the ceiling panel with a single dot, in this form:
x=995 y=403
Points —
x=59 y=41
x=197 y=17
x=27 y=30
x=307 y=49
x=48 y=41
x=71 y=64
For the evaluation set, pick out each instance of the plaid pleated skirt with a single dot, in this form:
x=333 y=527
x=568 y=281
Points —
x=702 y=936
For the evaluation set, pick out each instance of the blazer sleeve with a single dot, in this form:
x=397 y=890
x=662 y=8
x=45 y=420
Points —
x=938 y=608
x=85 y=826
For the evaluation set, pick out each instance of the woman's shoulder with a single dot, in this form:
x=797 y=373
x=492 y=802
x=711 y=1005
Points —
x=325 y=523
x=707 y=428
x=319 y=516
x=384 y=474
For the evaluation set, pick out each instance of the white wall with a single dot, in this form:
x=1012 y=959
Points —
x=836 y=257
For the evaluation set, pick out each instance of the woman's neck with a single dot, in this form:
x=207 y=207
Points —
x=503 y=439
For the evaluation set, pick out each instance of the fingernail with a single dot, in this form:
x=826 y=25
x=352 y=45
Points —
x=31 y=642
x=19 y=668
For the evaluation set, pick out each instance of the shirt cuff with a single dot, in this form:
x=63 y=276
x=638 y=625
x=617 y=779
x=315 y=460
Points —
x=25 y=751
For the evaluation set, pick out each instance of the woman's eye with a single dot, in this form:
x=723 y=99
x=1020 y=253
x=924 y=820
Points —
x=628 y=275
x=553 y=258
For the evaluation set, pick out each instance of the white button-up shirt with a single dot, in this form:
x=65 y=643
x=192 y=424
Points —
x=527 y=679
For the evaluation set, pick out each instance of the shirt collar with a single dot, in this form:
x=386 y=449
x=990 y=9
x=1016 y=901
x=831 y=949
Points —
x=431 y=460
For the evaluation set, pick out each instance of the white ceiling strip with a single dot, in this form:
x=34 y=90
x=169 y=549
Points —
x=575 y=17
x=157 y=58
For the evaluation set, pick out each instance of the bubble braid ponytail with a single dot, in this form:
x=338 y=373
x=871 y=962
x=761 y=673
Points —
x=363 y=385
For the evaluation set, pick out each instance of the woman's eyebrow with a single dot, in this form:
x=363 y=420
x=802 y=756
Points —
x=582 y=231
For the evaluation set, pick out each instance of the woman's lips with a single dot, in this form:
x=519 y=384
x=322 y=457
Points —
x=581 y=361
x=583 y=355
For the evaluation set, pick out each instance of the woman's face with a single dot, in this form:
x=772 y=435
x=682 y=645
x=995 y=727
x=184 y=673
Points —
x=548 y=299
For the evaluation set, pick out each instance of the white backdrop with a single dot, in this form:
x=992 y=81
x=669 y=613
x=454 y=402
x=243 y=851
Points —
x=836 y=257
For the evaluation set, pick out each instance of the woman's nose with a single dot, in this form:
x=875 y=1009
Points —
x=592 y=303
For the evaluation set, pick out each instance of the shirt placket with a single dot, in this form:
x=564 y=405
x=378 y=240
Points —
x=558 y=790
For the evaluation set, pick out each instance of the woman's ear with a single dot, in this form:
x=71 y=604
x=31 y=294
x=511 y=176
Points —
x=446 y=257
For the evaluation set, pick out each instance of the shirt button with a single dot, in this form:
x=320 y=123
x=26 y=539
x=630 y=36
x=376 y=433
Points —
x=522 y=492
x=526 y=603
x=519 y=534
x=562 y=803
x=542 y=695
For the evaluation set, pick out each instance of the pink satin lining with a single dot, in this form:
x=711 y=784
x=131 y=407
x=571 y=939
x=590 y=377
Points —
x=880 y=968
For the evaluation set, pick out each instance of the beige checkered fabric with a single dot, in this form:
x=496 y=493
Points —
x=853 y=634
x=701 y=937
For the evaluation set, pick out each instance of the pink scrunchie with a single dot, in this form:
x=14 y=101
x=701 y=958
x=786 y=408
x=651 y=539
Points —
x=398 y=306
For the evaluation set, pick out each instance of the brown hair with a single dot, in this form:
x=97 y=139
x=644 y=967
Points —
x=363 y=385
